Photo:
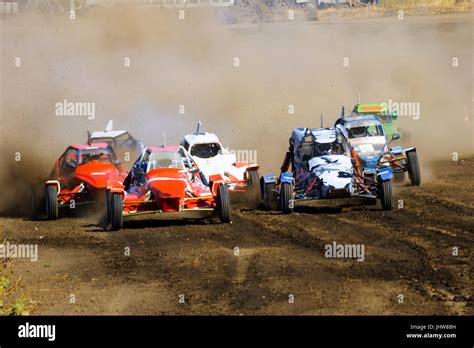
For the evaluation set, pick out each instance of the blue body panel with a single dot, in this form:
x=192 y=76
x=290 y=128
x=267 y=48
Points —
x=397 y=150
x=286 y=177
x=370 y=170
x=269 y=179
x=370 y=163
x=385 y=174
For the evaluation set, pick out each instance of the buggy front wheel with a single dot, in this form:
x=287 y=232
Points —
x=386 y=195
x=223 y=203
x=252 y=180
x=52 y=202
x=414 y=168
x=286 y=198
x=269 y=197
x=115 y=211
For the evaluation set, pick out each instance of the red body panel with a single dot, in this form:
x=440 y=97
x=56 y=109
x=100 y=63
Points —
x=96 y=174
x=168 y=187
x=167 y=190
x=83 y=182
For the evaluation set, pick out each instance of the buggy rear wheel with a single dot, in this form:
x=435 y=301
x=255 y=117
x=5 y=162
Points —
x=116 y=211
x=108 y=207
x=286 y=198
x=414 y=168
x=386 y=195
x=270 y=201
x=34 y=205
x=252 y=179
x=252 y=192
x=52 y=202
x=223 y=203
x=37 y=201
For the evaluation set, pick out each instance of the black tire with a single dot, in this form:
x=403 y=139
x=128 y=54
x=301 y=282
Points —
x=414 y=168
x=386 y=194
x=286 y=198
x=34 y=205
x=270 y=198
x=223 y=203
x=253 y=196
x=37 y=201
x=116 y=211
x=52 y=202
x=108 y=207
x=252 y=179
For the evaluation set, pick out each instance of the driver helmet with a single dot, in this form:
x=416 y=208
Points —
x=336 y=148
x=358 y=132
x=323 y=148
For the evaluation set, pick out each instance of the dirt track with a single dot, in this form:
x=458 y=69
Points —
x=407 y=251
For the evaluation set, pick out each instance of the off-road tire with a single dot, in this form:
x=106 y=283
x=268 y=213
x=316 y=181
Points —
x=286 y=198
x=223 y=203
x=386 y=194
x=116 y=211
x=52 y=205
x=414 y=168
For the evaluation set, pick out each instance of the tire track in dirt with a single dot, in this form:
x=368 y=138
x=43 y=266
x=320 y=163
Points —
x=430 y=270
x=179 y=257
x=279 y=256
x=308 y=239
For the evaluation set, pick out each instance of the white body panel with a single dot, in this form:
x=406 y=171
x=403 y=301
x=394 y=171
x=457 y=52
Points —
x=223 y=163
x=220 y=164
x=106 y=134
x=329 y=169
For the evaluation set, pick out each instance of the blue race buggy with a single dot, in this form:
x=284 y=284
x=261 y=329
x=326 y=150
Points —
x=322 y=166
x=367 y=135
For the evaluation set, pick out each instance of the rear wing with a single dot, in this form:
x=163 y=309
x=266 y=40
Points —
x=380 y=109
x=372 y=108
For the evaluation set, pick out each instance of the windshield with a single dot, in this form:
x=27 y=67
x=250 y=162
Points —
x=362 y=130
x=165 y=159
x=125 y=140
x=109 y=141
x=335 y=148
x=369 y=150
x=95 y=155
x=205 y=150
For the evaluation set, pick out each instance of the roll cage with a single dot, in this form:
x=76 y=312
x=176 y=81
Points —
x=309 y=147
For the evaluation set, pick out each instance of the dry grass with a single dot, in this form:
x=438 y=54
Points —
x=403 y=4
x=390 y=8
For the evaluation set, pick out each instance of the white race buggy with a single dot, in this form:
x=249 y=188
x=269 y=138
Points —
x=212 y=158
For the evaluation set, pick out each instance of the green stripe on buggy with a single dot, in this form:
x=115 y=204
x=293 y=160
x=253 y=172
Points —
x=372 y=108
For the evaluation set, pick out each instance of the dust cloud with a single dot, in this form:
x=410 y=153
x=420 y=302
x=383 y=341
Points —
x=190 y=65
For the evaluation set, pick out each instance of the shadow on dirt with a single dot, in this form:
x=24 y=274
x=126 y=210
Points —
x=151 y=223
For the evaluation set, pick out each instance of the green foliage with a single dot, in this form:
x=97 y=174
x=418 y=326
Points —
x=12 y=300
